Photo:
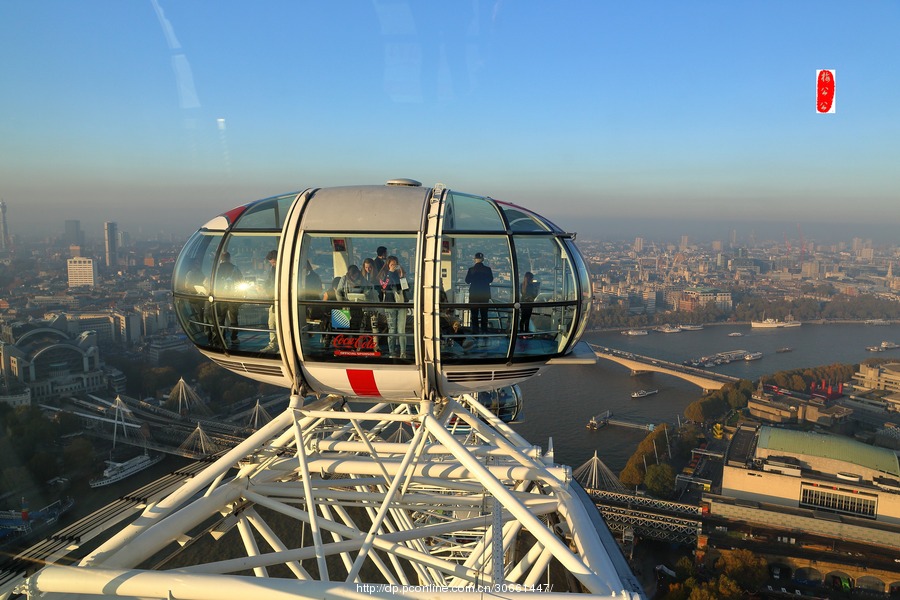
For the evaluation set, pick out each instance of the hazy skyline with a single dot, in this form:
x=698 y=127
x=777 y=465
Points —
x=160 y=115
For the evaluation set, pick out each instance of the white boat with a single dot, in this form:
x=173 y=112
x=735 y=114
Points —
x=635 y=332
x=691 y=327
x=117 y=471
x=735 y=334
x=669 y=329
x=889 y=345
x=753 y=356
x=643 y=393
x=874 y=348
x=775 y=323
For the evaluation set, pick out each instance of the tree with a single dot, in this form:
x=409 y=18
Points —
x=694 y=412
x=685 y=568
x=746 y=569
x=660 y=480
x=78 y=457
x=633 y=474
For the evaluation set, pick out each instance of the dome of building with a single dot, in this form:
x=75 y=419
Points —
x=395 y=291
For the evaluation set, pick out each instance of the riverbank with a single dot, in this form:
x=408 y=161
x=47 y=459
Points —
x=652 y=327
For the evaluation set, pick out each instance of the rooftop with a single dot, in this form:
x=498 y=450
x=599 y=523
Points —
x=832 y=447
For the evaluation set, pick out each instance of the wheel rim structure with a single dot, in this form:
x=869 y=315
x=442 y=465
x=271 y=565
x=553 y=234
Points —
x=406 y=518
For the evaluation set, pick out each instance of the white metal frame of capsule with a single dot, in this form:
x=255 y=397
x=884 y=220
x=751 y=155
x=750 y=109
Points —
x=345 y=506
x=334 y=345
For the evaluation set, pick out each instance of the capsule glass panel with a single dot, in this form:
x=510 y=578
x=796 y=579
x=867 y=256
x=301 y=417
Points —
x=191 y=288
x=471 y=213
x=266 y=214
x=355 y=306
x=520 y=219
x=584 y=280
x=243 y=293
x=477 y=295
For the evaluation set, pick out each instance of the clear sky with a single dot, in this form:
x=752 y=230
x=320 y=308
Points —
x=160 y=114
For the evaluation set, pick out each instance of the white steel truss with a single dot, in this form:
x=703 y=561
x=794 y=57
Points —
x=466 y=505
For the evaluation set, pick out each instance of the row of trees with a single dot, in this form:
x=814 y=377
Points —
x=738 y=573
x=799 y=380
x=651 y=464
x=748 y=307
x=732 y=396
x=222 y=386
x=32 y=454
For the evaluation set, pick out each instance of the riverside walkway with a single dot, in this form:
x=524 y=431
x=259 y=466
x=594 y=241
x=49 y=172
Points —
x=706 y=380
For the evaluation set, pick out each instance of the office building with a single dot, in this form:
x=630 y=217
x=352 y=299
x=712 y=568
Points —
x=110 y=231
x=4 y=228
x=884 y=377
x=82 y=272
x=74 y=236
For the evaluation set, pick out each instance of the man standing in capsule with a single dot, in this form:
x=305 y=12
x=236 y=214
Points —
x=269 y=286
x=228 y=276
x=479 y=278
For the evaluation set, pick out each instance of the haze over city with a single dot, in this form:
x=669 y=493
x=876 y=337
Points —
x=611 y=119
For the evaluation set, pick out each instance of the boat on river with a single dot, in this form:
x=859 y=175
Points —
x=889 y=345
x=635 y=332
x=753 y=356
x=775 y=323
x=783 y=350
x=667 y=328
x=643 y=393
x=117 y=471
x=691 y=327
x=735 y=334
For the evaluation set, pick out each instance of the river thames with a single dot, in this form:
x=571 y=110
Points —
x=559 y=403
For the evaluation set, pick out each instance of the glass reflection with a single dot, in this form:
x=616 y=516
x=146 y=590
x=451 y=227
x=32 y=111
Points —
x=364 y=313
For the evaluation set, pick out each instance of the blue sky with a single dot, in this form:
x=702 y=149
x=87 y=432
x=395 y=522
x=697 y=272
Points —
x=160 y=114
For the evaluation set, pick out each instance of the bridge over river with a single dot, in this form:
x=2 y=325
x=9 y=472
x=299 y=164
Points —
x=706 y=380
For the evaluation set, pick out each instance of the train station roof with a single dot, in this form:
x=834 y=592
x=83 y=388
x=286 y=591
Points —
x=833 y=447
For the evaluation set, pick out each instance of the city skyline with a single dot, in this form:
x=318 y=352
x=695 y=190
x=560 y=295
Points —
x=606 y=119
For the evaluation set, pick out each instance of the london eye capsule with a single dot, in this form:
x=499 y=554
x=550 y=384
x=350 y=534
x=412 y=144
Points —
x=395 y=291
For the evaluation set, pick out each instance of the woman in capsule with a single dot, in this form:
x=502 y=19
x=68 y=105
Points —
x=391 y=278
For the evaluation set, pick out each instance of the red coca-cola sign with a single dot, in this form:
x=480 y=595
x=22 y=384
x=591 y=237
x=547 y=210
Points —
x=355 y=345
x=825 y=91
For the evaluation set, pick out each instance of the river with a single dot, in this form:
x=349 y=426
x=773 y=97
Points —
x=559 y=403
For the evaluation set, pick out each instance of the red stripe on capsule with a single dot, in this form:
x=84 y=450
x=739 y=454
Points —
x=363 y=382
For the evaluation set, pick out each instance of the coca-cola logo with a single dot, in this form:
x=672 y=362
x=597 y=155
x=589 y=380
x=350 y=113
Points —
x=354 y=342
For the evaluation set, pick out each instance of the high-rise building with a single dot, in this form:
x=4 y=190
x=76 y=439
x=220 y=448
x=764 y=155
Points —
x=74 y=235
x=685 y=242
x=638 y=244
x=110 y=233
x=4 y=228
x=82 y=272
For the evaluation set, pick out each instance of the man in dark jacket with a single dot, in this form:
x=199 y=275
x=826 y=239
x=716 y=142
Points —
x=228 y=276
x=479 y=278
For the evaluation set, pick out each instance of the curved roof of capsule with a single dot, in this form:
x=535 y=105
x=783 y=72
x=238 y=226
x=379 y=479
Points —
x=833 y=447
x=365 y=208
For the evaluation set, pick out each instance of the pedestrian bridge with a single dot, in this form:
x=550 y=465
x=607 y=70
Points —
x=638 y=364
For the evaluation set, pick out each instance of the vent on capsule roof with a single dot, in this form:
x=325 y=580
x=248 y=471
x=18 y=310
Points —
x=405 y=182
